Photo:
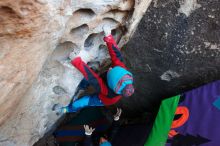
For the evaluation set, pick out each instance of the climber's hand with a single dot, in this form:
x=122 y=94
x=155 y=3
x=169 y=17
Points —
x=107 y=30
x=72 y=55
x=88 y=130
x=118 y=114
x=86 y=56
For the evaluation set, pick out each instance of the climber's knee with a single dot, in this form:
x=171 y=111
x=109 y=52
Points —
x=81 y=103
x=95 y=101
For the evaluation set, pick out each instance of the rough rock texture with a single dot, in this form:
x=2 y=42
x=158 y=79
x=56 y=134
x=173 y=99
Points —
x=175 y=48
x=36 y=37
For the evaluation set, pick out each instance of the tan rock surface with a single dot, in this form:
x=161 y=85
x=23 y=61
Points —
x=36 y=37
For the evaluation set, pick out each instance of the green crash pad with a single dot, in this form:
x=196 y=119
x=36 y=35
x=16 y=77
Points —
x=161 y=127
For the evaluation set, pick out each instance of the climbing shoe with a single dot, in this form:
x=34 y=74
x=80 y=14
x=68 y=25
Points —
x=59 y=109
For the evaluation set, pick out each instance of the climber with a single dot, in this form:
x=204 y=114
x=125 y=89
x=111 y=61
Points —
x=119 y=80
x=104 y=140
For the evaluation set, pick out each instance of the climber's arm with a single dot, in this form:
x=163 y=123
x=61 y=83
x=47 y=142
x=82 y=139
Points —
x=90 y=75
x=88 y=141
x=88 y=135
x=114 y=51
x=115 y=125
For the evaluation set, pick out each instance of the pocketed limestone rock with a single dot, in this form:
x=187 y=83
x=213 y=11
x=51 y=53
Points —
x=36 y=37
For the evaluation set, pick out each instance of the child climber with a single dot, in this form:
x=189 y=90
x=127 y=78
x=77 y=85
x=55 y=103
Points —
x=119 y=80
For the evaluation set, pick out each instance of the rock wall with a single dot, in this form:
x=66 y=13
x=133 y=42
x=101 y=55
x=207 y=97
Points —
x=175 y=48
x=36 y=37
